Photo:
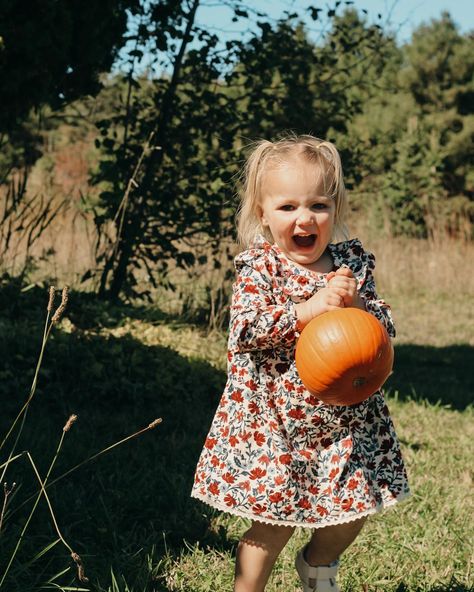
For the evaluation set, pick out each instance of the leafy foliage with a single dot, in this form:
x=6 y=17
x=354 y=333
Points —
x=171 y=137
x=418 y=141
x=53 y=52
x=187 y=132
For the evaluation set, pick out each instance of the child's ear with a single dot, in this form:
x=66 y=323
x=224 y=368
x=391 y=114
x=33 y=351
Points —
x=261 y=216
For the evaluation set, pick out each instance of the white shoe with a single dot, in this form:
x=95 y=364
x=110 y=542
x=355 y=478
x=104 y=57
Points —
x=316 y=579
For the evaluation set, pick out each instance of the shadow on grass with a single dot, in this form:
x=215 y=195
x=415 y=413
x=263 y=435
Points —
x=133 y=501
x=436 y=374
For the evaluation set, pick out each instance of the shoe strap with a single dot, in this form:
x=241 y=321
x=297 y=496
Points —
x=321 y=573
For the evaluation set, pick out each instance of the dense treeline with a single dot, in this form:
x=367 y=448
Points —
x=169 y=141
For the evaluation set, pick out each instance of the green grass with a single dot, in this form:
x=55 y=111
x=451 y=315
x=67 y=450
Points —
x=129 y=513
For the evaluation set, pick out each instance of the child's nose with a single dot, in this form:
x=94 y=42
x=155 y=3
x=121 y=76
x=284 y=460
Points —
x=305 y=217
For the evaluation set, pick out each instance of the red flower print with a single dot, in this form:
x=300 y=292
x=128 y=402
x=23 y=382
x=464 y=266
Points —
x=250 y=289
x=252 y=385
x=210 y=443
x=214 y=488
x=233 y=440
x=223 y=416
x=214 y=461
x=245 y=485
x=347 y=504
x=224 y=431
x=230 y=500
x=254 y=408
x=228 y=477
x=279 y=480
x=261 y=487
x=257 y=473
x=289 y=386
x=285 y=459
x=313 y=489
x=304 y=503
x=353 y=483
x=258 y=508
x=276 y=498
x=252 y=499
x=237 y=396
x=244 y=436
x=296 y=413
x=264 y=459
x=321 y=510
x=334 y=458
x=305 y=453
x=361 y=506
x=333 y=473
x=271 y=388
x=259 y=438
x=347 y=442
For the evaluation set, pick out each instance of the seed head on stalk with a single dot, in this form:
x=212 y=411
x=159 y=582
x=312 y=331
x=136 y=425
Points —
x=62 y=307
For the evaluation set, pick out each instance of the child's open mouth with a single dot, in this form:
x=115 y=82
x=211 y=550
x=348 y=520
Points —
x=304 y=240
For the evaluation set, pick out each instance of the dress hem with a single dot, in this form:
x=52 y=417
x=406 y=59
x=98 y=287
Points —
x=313 y=525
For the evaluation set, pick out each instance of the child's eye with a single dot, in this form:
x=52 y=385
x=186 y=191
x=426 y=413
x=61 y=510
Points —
x=319 y=206
x=287 y=208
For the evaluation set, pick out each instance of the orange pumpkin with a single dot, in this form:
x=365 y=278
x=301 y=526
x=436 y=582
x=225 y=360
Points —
x=343 y=356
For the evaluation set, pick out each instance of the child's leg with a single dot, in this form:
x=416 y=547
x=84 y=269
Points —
x=329 y=542
x=257 y=552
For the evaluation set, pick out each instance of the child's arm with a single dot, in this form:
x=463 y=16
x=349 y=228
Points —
x=257 y=320
x=375 y=305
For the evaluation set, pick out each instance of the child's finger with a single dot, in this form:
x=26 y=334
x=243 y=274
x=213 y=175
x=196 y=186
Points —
x=345 y=271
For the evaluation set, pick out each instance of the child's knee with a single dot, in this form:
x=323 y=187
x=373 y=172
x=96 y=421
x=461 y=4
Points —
x=268 y=535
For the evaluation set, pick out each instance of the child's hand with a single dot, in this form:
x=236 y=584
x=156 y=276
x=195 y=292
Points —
x=344 y=282
x=324 y=300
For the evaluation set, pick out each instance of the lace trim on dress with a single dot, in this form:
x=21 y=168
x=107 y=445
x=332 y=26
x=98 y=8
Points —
x=342 y=520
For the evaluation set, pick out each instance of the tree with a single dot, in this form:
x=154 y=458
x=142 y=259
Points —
x=53 y=51
x=439 y=73
x=187 y=129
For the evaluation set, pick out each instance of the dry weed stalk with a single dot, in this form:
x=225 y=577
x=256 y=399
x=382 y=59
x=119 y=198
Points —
x=46 y=332
x=51 y=319
x=42 y=492
x=149 y=427
x=6 y=494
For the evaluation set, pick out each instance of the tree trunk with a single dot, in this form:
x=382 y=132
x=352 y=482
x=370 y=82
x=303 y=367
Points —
x=119 y=259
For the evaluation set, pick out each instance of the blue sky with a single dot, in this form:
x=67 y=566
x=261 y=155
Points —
x=401 y=16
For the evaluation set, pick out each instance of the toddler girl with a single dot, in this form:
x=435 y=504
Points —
x=276 y=454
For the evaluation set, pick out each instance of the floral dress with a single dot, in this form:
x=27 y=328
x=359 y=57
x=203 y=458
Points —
x=274 y=452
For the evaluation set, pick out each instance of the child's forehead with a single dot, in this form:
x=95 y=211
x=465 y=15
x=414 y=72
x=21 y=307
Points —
x=293 y=172
x=294 y=161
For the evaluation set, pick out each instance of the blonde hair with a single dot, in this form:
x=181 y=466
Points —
x=266 y=155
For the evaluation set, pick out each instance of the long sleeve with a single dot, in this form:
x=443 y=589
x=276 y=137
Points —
x=257 y=320
x=375 y=305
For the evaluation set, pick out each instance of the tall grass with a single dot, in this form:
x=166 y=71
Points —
x=18 y=512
